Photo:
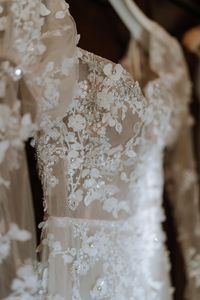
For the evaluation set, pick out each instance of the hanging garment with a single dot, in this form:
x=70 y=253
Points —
x=32 y=74
x=169 y=71
x=100 y=149
x=102 y=171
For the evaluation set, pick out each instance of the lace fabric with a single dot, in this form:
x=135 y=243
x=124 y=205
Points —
x=110 y=137
x=100 y=150
x=181 y=173
x=180 y=170
x=33 y=74
x=103 y=230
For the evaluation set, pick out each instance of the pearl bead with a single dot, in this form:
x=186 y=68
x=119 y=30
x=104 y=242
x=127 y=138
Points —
x=18 y=73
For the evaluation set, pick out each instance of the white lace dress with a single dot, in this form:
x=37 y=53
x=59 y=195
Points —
x=100 y=149
x=103 y=175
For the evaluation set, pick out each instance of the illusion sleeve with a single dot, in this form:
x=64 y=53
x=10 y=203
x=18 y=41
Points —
x=182 y=187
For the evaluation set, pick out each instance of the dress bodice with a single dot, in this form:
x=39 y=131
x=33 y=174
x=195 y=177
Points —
x=108 y=130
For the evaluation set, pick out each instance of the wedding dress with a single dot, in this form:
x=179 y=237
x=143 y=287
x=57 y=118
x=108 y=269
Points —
x=100 y=149
x=102 y=173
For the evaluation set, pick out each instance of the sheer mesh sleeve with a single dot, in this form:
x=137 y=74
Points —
x=182 y=187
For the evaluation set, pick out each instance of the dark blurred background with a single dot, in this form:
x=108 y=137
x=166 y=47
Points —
x=103 y=33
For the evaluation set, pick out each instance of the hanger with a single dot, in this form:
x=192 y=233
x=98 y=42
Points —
x=134 y=19
x=138 y=14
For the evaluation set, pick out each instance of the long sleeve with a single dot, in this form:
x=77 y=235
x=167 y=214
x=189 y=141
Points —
x=182 y=187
